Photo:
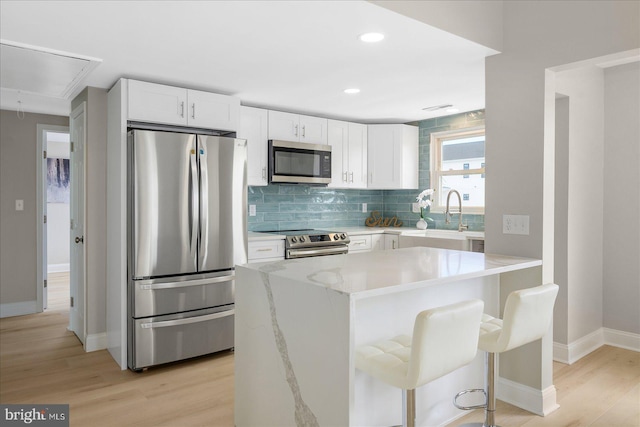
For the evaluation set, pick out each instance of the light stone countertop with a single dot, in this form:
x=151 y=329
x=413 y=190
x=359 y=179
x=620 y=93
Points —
x=368 y=274
x=254 y=236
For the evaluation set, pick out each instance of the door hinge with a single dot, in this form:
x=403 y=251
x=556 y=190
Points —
x=71 y=224
x=45 y=283
x=44 y=154
x=45 y=219
x=72 y=147
x=71 y=301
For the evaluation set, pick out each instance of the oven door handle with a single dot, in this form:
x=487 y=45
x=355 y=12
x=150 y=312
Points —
x=188 y=320
x=332 y=250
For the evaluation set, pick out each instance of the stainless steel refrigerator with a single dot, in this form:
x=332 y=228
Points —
x=186 y=231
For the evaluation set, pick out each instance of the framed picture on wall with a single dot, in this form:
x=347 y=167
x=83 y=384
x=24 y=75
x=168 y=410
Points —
x=58 y=181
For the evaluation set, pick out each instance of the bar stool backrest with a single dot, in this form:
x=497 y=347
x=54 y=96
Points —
x=527 y=316
x=444 y=339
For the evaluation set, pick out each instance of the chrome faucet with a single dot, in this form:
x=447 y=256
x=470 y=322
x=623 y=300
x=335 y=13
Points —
x=447 y=213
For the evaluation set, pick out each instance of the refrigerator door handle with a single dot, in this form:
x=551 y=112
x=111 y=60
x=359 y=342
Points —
x=186 y=283
x=204 y=204
x=193 y=236
x=188 y=320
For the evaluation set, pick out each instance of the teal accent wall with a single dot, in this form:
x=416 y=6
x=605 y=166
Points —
x=285 y=207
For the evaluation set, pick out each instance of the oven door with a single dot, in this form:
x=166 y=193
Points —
x=299 y=163
x=309 y=252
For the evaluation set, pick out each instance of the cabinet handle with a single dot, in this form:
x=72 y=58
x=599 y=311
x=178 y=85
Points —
x=351 y=177
x=264 y=173
x=182 y=109
x=303 y=131
x=265 y=250
x=296 y=131
x=193 y=111
x=393 y=244
x=344 y=176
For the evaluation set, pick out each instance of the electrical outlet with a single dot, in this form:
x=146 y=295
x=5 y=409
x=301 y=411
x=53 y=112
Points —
x=364 y=207
x=19 y=205
x=252 y=210
x=415 y=208
x=515 y=224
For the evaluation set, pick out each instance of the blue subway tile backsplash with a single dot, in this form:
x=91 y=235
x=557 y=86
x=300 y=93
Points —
x=286 y=207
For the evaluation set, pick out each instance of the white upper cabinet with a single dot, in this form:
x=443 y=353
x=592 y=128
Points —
x=348 y=154
x=150 y=102
x=156 y=103
x=296 y=127
x=393 y=156
x=253 y=128
x=212 y=110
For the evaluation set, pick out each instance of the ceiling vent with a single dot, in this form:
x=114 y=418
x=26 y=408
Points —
x=438 y=107
x=41 y=71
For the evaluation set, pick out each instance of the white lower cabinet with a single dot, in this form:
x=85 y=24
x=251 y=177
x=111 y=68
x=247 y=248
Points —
x=266 y=250
x=360 y=243
x=391 y=241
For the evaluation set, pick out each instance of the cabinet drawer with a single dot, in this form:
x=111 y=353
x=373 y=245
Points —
x=360 y=243
x=266 y=249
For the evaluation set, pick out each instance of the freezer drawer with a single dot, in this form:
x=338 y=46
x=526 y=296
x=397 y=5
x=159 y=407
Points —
x=164 y=339
x=157 y=297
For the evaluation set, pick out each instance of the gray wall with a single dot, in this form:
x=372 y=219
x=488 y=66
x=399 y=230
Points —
x=96 y=206
x=18 y=162
x=621 y=198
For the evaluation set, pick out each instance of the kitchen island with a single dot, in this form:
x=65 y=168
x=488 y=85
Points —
x=298 y=323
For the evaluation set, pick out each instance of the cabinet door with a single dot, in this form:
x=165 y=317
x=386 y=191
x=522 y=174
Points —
x=212 y=110
x=284 y=126
x=391 y=241
x=338 y=134
x=150 y=102
x=253 y=128
x=384 y=156
x=313 y=130
x=357 y=156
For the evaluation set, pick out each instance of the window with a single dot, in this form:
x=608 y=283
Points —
x=457 y=163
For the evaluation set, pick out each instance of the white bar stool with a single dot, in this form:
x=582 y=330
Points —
x=444 y=339
x=527 y=316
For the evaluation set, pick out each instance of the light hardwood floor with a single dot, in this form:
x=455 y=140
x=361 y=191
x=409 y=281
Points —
x=42 y=362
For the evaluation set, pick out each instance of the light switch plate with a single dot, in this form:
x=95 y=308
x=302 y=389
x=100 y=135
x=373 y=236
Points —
x=364 y=207
x=252 y=210
x=515 y=224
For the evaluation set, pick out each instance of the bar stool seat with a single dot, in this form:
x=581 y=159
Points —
x=527 y=317
x=444 y=339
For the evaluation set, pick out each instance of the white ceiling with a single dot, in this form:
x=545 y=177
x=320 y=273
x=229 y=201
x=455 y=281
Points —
x=294 y=56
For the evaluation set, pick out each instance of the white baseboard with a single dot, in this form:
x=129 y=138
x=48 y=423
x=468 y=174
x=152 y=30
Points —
x=58 y=268
x=540 y=402
x=576 y=350
x=95 y=342
x=626 y=340
x=18 y=308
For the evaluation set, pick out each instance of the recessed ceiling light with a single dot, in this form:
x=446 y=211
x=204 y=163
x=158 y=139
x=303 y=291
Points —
x=352 y=90
x=371 y=37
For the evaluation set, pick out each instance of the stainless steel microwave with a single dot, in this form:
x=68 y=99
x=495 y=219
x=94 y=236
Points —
x=299 y=163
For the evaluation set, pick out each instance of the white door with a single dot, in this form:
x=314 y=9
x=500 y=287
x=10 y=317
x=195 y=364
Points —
x=284 y=126
x=77 y=286
x=213 y=111
x=338 y=140
x=253 y=128
x=313 y=130
x=357 y=155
